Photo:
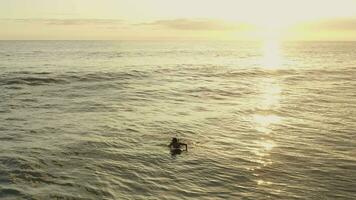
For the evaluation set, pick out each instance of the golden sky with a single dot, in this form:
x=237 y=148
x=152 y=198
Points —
x=178 y=19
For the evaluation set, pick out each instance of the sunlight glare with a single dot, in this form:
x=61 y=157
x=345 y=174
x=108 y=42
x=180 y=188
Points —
x=262 y=182
x=266 y=120
x=271 y=54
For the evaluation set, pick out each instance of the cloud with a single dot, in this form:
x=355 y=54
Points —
x=69 y=22
x=340 y=24
x=84 y=22
x=197 y=25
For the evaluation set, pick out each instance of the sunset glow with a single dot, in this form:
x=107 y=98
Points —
x=160 y=19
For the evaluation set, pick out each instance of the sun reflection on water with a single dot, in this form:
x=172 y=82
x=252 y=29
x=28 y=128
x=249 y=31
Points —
x=267 y=102
x=267 y=105
x=266 y=120
x=267 y=145
x=262 y=182
x=272 y=58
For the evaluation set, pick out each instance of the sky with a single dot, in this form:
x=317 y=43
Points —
x=178 y=19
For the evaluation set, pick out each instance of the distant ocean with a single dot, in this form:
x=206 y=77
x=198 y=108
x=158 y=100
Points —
x=92 y=120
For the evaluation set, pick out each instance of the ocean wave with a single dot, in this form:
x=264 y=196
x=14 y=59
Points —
x=98 y=128
x=47 y=78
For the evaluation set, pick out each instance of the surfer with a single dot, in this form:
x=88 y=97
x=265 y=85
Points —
x=175 y=145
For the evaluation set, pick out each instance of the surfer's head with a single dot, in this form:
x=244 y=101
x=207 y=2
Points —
x=174 y=140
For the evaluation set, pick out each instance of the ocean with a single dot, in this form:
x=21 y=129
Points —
x=262 y=120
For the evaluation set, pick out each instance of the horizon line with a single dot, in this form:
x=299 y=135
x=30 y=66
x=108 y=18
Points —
x=202 y=40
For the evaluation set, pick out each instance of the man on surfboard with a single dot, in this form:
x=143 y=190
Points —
x=175 y=145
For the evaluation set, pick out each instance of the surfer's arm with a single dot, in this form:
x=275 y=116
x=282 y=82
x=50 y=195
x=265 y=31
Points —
x=186 y=146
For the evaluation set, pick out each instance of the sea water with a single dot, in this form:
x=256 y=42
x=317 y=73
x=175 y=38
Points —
x=262 y=120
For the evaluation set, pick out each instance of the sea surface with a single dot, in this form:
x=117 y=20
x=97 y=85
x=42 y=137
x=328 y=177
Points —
x=262 y=120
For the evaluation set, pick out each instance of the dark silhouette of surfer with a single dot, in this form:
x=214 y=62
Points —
x=175 y=146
